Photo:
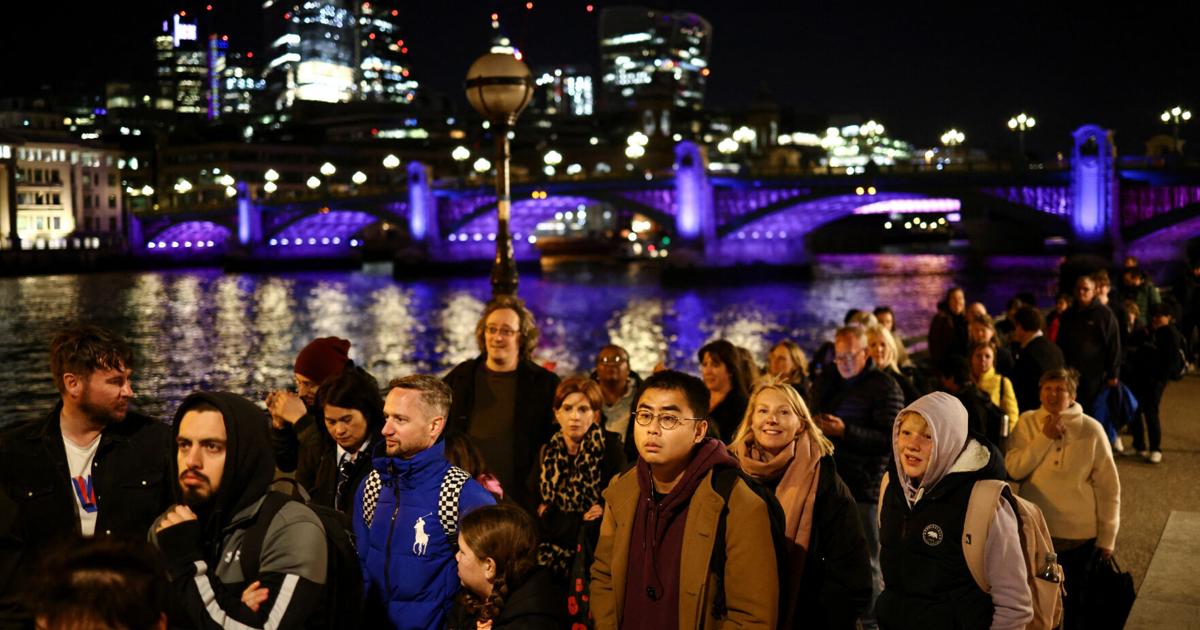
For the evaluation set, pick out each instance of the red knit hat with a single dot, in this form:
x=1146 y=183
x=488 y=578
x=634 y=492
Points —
x=323 y=358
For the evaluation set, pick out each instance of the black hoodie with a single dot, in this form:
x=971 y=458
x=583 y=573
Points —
x=203 y=555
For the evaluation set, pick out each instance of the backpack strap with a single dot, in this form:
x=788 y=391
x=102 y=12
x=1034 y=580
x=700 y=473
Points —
x=252 y=541
x=452 y=485
x=981 y=510
x=883 y=486
x=371 y=496
x=723 y=480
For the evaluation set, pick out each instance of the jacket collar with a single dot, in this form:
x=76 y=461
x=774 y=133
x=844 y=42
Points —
x=428 y=462
x=51 y=428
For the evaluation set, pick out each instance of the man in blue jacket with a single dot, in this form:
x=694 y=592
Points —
x=408 y=508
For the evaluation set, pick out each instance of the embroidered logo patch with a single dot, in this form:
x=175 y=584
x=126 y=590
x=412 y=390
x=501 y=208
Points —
x=932 y=535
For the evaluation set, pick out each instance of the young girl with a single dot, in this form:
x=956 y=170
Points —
x=502 y=585
x=922 y=512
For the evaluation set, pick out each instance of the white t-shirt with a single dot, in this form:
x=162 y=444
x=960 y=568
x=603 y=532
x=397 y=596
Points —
x=79 y=461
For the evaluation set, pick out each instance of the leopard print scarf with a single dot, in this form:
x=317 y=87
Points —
x=571 y=483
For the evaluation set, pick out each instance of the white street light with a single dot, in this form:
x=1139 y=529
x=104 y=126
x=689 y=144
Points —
x=391 y=161
x=482 y=165
x=230 y=191
x=147 y=190
x=953 y=137
x=226 y=180
x=634 y=151
x=359 y=178
x=271 y=175
x=460 y=154
x=1175 y=116
x=637 y=139
x=313 y=182
x=744 y=135
x=552 y=158
x=182 y=186
x=728 y=146
x=270 y=187
x=328 y=169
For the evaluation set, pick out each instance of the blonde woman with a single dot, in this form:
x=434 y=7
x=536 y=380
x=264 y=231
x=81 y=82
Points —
x=789 y=364
x=779 y=444
x=883 y=350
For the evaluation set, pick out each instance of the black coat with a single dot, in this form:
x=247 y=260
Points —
x=837 y=570
x=562 y=528
x=868 y=405
x=1038 y=356
x=131 y=477
x=533 y=417
x=1091 y=343
x=312 y=455
x=539 y=603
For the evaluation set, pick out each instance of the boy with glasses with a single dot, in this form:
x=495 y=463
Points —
x=643 y=575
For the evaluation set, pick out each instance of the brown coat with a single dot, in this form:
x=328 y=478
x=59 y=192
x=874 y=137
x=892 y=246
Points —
x=751 y=588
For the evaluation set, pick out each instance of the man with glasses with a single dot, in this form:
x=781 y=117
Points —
x=618 y=384
x=856 y=406
x=643 y=575
x=503 y=400
x=295 y=435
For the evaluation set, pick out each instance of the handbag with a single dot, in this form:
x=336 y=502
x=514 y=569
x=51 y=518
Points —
x=1107 y=594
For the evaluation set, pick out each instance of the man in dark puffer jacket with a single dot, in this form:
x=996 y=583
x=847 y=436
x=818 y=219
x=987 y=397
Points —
x=856 y=406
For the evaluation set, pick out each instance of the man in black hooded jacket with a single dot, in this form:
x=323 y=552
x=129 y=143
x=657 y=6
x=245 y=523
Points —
x=224 y=467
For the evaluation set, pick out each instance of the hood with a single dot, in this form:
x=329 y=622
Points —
x=947 y=419
x=249 y=464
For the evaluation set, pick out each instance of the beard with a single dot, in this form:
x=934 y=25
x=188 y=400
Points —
x=196 y=496
x=101 y=414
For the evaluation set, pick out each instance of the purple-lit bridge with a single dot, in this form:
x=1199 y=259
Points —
x=1149 y=213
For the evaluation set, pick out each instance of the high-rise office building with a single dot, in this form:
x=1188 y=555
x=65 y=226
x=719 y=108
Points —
x=383 y=75
x=653 y=61
x=181 y=66
x=240 y=85
x=310 y=52
x=563 y=91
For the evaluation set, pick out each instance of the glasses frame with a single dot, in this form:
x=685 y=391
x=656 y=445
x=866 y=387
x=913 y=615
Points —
x=637 y=417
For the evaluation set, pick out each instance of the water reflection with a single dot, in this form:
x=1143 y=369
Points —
x=205 y=329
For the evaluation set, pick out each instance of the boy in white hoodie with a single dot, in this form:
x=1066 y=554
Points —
x=926 y=580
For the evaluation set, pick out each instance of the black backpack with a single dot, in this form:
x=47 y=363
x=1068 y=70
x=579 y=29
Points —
x=343 y=590
x=723 y=480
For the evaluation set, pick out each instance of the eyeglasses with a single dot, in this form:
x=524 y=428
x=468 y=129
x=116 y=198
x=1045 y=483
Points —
x=667 y=421
x=502 y=331
x=617 y=360
x=847 y=357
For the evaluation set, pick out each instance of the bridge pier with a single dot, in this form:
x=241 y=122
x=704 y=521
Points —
x=422 y=208
x=249 y=218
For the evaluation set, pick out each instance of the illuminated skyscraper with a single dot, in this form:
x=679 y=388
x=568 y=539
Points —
x=563 y=91
x=240 y=84
x=182 y=68
x=310 y=52
x=383 y=75
x=653 y=61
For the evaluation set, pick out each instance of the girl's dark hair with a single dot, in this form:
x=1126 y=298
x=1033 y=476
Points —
x=727 y=354
x=101 y=583
x=355 y=389
x=506 y=534
x=462 y=453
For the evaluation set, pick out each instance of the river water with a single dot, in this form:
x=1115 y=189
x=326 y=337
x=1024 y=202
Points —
x=205 y=329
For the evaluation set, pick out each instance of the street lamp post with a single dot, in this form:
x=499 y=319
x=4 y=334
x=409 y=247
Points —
x=499 y=87
x=1174 y=117
x=1020 y=123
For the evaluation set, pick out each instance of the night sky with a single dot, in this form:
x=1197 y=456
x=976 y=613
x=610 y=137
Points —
x=918 y=69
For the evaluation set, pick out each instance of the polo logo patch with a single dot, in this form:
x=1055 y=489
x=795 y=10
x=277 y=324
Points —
x=932 y=535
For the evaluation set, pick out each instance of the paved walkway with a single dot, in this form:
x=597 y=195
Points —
x=1150 y=492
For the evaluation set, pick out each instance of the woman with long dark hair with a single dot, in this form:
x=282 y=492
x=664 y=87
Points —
x=349 y=412
x=502 y=585
x=728 y=386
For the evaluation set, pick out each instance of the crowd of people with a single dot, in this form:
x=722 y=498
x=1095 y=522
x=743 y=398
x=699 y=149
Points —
x=828 y=492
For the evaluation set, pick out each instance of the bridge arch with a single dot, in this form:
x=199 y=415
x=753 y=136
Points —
x=190 y=236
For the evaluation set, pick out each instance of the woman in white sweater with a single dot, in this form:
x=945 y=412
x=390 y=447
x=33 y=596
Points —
x=1063 y=462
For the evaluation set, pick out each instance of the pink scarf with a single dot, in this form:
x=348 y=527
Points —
x=798 y=468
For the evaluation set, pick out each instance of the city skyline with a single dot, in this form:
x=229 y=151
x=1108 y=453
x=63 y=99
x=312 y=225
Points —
x=918 y=70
